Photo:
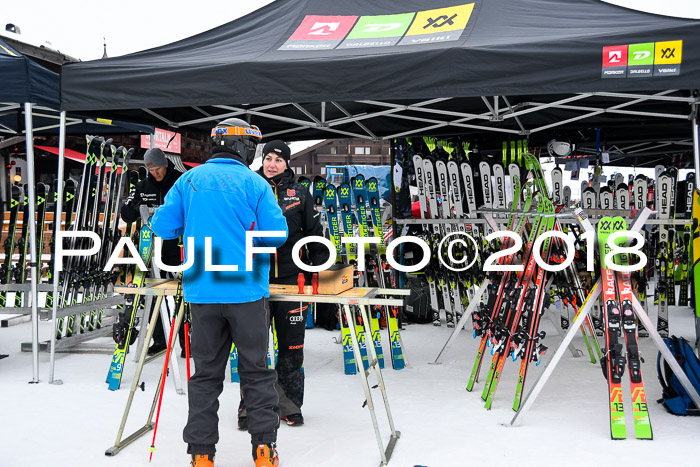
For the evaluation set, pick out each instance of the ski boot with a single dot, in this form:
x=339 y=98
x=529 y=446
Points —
x=199 y=460
x=265 y=455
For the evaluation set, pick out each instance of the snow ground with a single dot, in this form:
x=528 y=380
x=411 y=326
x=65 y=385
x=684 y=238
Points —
x=441 y=424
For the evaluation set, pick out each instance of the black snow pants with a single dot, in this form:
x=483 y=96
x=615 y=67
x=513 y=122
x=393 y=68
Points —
x=214 y=327
x=290 y=327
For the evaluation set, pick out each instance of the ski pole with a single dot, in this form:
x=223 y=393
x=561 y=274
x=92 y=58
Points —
x=187 y=349
x=162 y=383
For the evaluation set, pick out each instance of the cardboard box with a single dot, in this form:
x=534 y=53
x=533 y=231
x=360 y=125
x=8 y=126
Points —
x=336 y=279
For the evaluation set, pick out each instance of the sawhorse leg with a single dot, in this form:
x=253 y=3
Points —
x=122 y=443
x=373 y=366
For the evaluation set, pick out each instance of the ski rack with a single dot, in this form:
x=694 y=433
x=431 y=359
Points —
x=25 y=287
x=583 y=313
x=44 y=314
x=360 y=297
x=475 y=300
x=563 y=217
x=120 y=443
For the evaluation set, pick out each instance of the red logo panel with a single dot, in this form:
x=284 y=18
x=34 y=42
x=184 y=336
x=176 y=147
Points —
x=615 y=55
x=315 y=27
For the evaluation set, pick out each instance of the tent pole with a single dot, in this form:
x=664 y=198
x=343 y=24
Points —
x=32 y=238
x=57 y=220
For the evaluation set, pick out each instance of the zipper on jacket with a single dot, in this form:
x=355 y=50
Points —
x=274 y=189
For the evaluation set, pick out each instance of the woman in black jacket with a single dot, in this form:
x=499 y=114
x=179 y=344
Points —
x=289 y=318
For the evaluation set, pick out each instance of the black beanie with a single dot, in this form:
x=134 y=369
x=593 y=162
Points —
x=278 y=147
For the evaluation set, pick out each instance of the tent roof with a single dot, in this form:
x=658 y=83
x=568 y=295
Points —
x=486 y=66
x=25 y=81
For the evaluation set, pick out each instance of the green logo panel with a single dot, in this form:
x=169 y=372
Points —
x=640 y=54
x=372 y=27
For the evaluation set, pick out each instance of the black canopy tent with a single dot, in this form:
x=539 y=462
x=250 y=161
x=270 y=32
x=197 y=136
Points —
x=23 y=84
x=29 y=99
x=488 y=69
x=26 y=81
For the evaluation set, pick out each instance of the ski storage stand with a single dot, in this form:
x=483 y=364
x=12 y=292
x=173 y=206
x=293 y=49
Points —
x=588 y=304
x=475 y=300
x=362 y=297
x=120 y=443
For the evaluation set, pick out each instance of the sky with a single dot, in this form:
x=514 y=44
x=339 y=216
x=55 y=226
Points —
x=78 y=31
x=77 y=28
x=129 y=25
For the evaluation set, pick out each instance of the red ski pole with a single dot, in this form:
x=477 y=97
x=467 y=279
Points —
x=162 y=385
x=187 y=349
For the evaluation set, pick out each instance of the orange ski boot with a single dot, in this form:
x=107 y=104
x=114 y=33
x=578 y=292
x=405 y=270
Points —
x=199 y=460
x=265 y=455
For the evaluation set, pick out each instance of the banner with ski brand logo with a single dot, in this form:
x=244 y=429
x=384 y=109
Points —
x=351 y=32
x=650 y=59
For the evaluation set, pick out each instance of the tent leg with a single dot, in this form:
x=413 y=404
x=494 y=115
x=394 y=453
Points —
x=32 y=238
x=56 y=266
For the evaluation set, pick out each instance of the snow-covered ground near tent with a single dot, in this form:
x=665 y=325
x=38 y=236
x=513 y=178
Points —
x=441 y=424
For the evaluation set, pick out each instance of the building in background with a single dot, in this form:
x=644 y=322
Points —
x=313 y=160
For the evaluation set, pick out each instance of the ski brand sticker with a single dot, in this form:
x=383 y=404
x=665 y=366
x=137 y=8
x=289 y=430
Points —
x=667 y=58
x=319 y=32
x=377 y=31
x=615 y=61
x=640 y=60
x=645 y=60
x=324 y=32
x=439 y=25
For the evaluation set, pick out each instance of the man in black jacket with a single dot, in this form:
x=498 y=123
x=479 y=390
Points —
x=289 y=318
x=151 y=192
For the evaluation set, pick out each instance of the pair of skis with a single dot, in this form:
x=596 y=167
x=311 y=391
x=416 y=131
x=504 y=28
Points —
x=619 y=320
x=125 y=328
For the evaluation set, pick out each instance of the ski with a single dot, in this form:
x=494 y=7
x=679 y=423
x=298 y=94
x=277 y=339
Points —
x=640 y=412
x=330 y=200
x=613 y=362
x=6 y=270
x=431 y=237
x=20 y=272
x=345 y=199
x=124 y=329
x=484 y=317
x=446 y=229
x=664 y=260
x=68 y=204
x=525 y=299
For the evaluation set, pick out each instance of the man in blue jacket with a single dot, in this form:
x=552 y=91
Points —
x=216 y=204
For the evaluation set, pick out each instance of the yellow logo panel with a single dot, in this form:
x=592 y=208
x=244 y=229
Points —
x=441 y=20
x=668 y=53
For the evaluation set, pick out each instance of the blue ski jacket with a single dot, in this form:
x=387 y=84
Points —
x=221 y=200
